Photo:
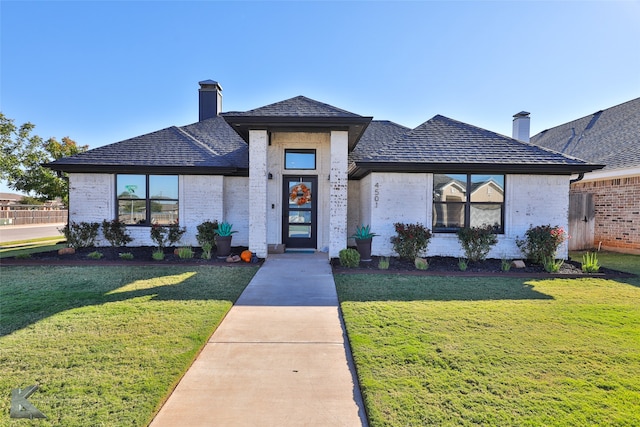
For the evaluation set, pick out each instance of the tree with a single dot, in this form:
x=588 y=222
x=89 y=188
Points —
x=22 y=156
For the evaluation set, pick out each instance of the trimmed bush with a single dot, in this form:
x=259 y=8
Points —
x=411 y=240
x=542 y=242
x=115 y=232
x=81 y=234
x=349 y=258
x=477 y=242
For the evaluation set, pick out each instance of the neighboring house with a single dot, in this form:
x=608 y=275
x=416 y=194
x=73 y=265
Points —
x=605 y=204
x=303 y=173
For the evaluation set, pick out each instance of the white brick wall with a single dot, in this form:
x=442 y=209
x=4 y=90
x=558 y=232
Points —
x=258 y=192
x=338 y=193
x=236 y=208
x=201 y=199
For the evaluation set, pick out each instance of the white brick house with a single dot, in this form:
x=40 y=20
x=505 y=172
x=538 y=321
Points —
x=306 y=174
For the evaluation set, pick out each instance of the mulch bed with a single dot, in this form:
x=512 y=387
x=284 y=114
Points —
x=448 y=266
x=111 y=256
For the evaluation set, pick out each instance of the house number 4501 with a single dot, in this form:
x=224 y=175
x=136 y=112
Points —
x=376 y=194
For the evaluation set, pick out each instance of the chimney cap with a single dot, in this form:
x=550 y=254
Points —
x=522 y=114
x=210 y=84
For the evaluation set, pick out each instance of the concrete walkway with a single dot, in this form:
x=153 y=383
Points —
x=279 y=358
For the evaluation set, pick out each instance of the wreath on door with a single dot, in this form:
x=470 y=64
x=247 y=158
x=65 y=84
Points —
x=300 y=194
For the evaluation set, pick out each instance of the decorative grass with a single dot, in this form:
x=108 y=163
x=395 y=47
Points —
x=496 y=351
x=106 y=344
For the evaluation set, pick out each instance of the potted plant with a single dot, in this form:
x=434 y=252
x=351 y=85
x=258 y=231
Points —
x=363 y=237
x=223 y=239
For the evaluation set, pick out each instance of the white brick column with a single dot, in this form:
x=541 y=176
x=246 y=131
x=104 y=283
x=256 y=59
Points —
x=338 y=193
x=258 y=190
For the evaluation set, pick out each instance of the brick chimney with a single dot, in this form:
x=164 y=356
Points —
x=210 y=97
x=521 y=126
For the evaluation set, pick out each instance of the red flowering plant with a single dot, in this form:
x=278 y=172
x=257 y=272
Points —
x=541 y=242
x=411 y=240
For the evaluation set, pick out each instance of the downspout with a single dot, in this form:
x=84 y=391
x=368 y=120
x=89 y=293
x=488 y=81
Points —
x=579 y=178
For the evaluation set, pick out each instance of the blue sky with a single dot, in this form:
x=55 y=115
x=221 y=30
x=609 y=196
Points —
x=100 y=72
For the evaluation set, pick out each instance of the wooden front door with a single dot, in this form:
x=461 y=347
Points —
x=299 y=224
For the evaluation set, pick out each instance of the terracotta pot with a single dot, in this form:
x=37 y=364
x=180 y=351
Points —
x=364 y=249
x=223 y=246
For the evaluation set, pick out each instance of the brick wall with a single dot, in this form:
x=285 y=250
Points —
x=617 y=211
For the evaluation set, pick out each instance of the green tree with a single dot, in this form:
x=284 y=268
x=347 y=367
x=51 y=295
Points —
x=22 y=155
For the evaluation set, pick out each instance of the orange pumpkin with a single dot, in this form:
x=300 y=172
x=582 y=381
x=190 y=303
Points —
x=246 y=256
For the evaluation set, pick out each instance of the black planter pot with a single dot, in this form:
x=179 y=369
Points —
x=364 y=249
x=223 y=246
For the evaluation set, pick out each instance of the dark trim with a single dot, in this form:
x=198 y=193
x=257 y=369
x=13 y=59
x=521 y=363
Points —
x=362 y=169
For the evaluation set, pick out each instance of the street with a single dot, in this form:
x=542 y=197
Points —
x=11 y=233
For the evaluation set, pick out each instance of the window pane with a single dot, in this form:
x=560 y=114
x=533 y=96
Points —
x=300 y=231
x=300 y=194
x=486 y=214
x=487 y=188
x=449 y=187
x=164 y=211
x=300 y=216
x=131 y=186
x=132 y=211
x=448 y=216
x=300 y=159
x=163 y=187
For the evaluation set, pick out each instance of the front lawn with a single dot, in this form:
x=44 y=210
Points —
x=496 y=351
x=106 y=344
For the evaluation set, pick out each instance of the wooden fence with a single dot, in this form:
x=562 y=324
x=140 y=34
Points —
x=19 y=215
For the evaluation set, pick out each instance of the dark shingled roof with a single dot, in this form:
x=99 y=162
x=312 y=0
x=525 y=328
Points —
x=610 y=137
x=443 y=144
x=299 y=106
x=209 y=146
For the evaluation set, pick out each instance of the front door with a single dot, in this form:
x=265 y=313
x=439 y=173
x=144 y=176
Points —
x=299 y=226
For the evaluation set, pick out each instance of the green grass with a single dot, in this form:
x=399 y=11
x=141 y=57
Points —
x=496 y=351
x=106 y=345
x=25 y=247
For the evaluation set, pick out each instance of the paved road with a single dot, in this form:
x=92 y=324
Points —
x=11 y=233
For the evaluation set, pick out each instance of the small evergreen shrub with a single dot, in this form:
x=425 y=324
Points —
x=81 y=234
x=462 y=264
x=168 y=235
x=383 y=263
x=185 y=252
x=207 y=233
x=95 y=255
x=541 y=242
x=590 y=263
x=506 y=264
x=115 y=232
x=411 y=240
x=477 y=241
x=349 y=258
x=126 y=256
x=421 y=263
x=158 y=255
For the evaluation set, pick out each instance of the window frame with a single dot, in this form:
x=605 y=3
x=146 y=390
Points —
x=301 y=151
x=148 y=199
x=467 y=204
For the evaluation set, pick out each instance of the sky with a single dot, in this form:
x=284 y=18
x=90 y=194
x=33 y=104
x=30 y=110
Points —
x=104 y=71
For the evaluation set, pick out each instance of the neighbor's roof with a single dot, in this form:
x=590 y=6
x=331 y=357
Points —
x=610 y=137
x=209 y=146
x=443 y=144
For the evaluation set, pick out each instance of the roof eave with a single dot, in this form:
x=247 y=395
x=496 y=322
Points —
x=144 y=169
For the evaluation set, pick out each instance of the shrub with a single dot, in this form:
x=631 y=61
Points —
x=158 y=255
x=126 y=256
x=421 y=263
x=168 y=235
x=477 y=241
x=411 y=240
x=95 y=255
x=383 y=263
x=207 y=233
x=81 y=235
x=462 y=264
x=541 y=242
x=206 y=250
x=115 y=232
x=506 y=264
x=349 y=258
x=185 y=252
x=590 y=263
x=551 y=265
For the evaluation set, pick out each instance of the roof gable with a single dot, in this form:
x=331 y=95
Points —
x=610 y=137
x=299 y=106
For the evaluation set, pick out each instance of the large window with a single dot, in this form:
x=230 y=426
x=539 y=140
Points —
x=465 y=200
x=147 y=199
